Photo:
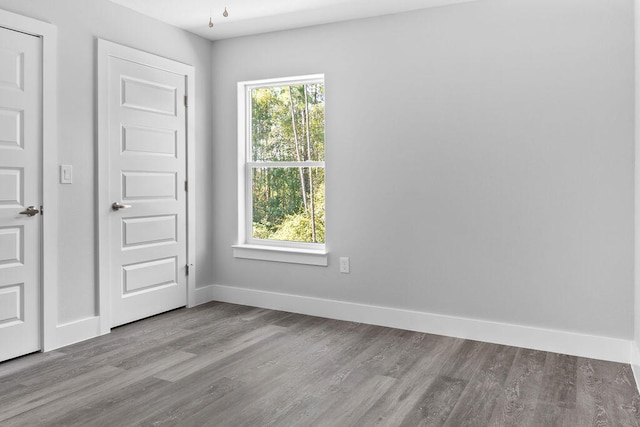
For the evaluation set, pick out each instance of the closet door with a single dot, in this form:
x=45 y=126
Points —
x=20 y=193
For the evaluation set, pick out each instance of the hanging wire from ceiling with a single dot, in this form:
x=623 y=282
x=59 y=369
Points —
x=224 y=14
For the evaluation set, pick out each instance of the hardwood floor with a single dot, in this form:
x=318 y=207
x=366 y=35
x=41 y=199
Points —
x=229 y=365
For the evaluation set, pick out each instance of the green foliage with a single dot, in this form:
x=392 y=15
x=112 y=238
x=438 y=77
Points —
x=261 y=231
x=272 y=130
x=287 y=125
x=297 y=227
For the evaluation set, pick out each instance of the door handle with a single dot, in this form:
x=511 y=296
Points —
x=30 y=211
x=117 y=206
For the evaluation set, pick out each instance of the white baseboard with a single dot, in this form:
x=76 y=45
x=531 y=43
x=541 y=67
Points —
x=84 y=329
x=635 y=362
x=80 y=330
x=571 y=343
x=203 y=295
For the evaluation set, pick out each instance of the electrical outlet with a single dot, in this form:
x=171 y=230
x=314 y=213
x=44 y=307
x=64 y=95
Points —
x=344 y=265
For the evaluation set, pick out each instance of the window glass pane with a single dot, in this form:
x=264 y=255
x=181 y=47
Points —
x=287 y=123
x=288 y=204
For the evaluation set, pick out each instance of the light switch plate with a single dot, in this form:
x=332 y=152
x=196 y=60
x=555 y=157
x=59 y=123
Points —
x=66 y=174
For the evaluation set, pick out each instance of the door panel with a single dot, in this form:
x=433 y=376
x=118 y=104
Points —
x=11 y=187
x=149 y=186
x=11 y=244
x=149 y=141
x=11 y=65
x=150 y=96
x=10 y=128
x=20 y=186
x=151 y=230
x=147 y=145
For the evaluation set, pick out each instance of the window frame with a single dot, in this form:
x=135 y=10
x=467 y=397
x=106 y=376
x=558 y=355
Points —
x=264 y=249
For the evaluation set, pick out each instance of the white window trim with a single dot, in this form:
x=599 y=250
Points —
x=259 y=249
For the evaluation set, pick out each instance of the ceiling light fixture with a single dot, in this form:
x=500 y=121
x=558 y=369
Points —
x=225 y=14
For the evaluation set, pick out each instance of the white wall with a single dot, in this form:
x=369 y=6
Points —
x=480 y=161
x=79 y=24
x=635 y=351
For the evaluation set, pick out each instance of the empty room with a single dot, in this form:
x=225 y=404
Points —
x=319 y=212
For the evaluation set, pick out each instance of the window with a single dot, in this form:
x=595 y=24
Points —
x=281 y=170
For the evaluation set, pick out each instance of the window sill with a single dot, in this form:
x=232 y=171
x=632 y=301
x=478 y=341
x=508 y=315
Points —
x=280 y=254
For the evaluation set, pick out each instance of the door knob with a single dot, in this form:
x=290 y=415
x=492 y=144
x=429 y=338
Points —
x=30 y=211
x=117 y=206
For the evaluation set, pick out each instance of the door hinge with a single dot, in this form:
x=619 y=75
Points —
x=186 y=186
x=186 y=269
x=41 y=210
x=186 y=101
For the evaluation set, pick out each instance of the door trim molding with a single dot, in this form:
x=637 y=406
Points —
x=49 y=245
x=105 y=50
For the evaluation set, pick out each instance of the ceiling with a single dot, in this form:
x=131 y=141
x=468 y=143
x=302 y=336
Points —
x=260 y=16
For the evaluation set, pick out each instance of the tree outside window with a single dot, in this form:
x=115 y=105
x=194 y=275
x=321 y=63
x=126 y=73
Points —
x=284 y=167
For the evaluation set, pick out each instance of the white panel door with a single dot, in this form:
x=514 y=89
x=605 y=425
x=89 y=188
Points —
x=20 y=187
x=147 y=199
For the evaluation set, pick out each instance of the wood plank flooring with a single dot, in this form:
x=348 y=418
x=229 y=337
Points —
x=228 y=365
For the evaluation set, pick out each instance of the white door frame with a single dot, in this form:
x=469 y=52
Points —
x=49 y=279
x=108 y=49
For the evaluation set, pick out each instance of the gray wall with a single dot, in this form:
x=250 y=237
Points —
x=480 y=161
x=79 y=23
x=635 y=358
x=480 y=156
